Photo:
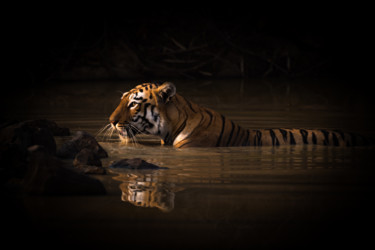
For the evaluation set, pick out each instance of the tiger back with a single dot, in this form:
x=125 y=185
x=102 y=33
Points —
x=156 y=109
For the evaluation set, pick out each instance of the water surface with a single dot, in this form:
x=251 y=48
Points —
x=306 y=196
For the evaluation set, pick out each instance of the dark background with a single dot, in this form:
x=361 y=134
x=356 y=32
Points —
x=291 y=45
x=60 y=43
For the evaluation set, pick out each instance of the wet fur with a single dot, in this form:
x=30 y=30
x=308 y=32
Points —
x=160 y=111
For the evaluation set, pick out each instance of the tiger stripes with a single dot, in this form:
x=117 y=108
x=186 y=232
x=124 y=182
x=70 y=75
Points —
x=285 y=136
x=157 y=109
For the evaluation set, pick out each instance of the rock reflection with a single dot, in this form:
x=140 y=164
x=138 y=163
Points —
x=147 y=190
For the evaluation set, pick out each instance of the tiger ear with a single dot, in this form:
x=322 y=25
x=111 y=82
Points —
x=166 y=91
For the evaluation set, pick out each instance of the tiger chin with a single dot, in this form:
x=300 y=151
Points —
x=157 y=109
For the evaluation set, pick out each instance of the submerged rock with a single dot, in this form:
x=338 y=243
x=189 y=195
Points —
x=87 y=157
x=28 y=162
x=15 y=139
x=80 y=141
x=47 y=175
x=28 y=133
x=134 y=163
x=88 y=162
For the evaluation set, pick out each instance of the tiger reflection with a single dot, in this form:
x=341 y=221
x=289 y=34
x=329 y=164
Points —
x=146 y=191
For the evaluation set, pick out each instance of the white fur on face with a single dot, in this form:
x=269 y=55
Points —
x=148 y=115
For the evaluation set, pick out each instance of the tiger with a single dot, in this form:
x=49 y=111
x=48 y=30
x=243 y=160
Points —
x=157 y=109
x=146 y=193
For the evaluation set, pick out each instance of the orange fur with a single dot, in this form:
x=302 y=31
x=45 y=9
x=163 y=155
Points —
x=159 y=110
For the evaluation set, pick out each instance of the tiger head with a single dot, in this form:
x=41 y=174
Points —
x=141 y=110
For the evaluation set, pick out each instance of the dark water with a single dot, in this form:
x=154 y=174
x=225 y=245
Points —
x=303 y=196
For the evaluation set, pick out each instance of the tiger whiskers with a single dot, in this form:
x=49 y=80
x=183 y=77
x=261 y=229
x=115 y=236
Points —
x=136 y=129
x=103 y=129
x=132 y=137
x=105 y=133
x=130 y=131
